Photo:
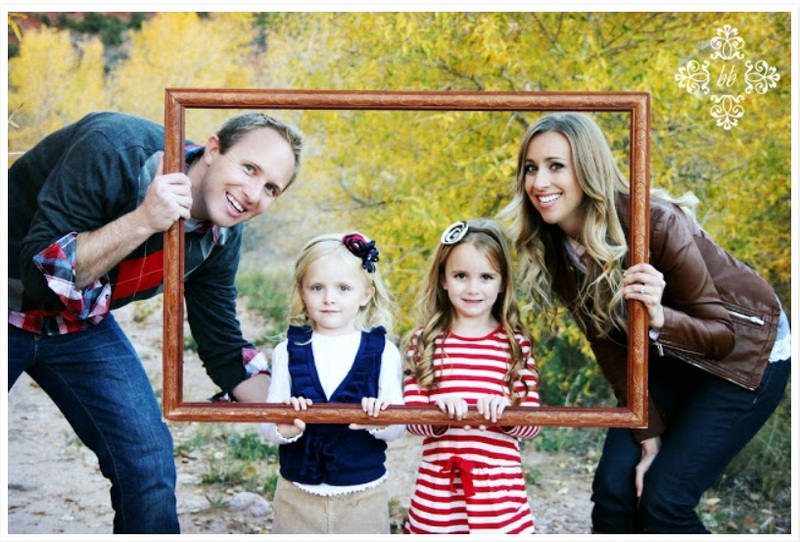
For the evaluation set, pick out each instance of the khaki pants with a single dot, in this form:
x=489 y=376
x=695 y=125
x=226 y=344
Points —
x=299 y=512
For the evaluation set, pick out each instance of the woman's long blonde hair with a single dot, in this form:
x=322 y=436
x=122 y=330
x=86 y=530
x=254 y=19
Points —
x=435 y=313
x=540 y=246
x=379 y=310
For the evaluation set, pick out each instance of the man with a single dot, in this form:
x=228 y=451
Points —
x=88 y=206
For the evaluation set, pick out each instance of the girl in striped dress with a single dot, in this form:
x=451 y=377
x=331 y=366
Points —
x=469 y=350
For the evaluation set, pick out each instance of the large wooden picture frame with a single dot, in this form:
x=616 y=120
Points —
x=634 y=414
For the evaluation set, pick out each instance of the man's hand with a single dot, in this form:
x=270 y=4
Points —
x=168 y=198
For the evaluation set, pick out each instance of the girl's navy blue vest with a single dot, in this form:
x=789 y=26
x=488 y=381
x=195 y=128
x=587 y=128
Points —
x=333 y=453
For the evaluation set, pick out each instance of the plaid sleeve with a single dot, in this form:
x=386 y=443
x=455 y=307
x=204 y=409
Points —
x=255 y=362
x=57 y=264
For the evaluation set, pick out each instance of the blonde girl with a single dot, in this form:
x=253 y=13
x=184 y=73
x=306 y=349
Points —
x=332 y=475
x=470 y=350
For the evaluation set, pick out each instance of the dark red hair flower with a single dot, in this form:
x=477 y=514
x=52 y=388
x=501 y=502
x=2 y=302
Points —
x=358 y=245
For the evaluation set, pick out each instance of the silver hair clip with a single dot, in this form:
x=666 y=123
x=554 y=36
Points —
x=454 y=233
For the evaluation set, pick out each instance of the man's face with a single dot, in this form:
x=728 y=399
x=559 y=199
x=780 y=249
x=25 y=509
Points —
x=242 y=183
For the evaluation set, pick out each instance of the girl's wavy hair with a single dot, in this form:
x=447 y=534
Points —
x=540 y=246
x=435 y=313
x=378 y=312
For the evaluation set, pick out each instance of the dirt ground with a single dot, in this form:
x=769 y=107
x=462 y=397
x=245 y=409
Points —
x=55 y=486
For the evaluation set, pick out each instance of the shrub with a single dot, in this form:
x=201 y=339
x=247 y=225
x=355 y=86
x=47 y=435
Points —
x=266 y=292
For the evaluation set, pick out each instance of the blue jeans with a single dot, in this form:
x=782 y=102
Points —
x=709 y=421
x=97 y=381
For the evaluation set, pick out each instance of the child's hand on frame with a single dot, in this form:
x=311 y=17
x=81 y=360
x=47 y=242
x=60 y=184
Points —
x=299 y=403
x=491 y=407
x=372 y=406
x=288 y=430
x=291 y=430
x=452 y=405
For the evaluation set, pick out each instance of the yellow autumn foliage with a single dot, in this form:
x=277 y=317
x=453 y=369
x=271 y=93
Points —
x=184 y=50
x=401 y=177
x=51 y=83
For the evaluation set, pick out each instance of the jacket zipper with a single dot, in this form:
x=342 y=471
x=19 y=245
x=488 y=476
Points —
x=753 y=319
x=660 y=347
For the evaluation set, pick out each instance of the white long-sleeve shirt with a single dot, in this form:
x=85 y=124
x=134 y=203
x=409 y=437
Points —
x=333 y=358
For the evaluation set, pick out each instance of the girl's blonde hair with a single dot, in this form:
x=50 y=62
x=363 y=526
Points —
x=377 y=312
x=435 y=313
x=540 y=245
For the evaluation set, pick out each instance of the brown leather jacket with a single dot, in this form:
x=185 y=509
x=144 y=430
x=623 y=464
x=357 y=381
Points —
x=719 y=315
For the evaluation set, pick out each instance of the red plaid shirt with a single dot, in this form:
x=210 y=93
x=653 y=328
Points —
x=82 y=307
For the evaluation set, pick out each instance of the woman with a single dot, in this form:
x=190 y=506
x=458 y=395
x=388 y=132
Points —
x=719 y=352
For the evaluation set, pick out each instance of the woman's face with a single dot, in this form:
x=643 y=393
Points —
x=551 y=182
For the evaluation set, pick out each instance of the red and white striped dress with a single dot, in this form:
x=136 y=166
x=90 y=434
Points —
x=470 y=480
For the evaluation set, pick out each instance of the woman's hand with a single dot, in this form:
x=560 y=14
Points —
x=650 y=449
x=645 y=283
